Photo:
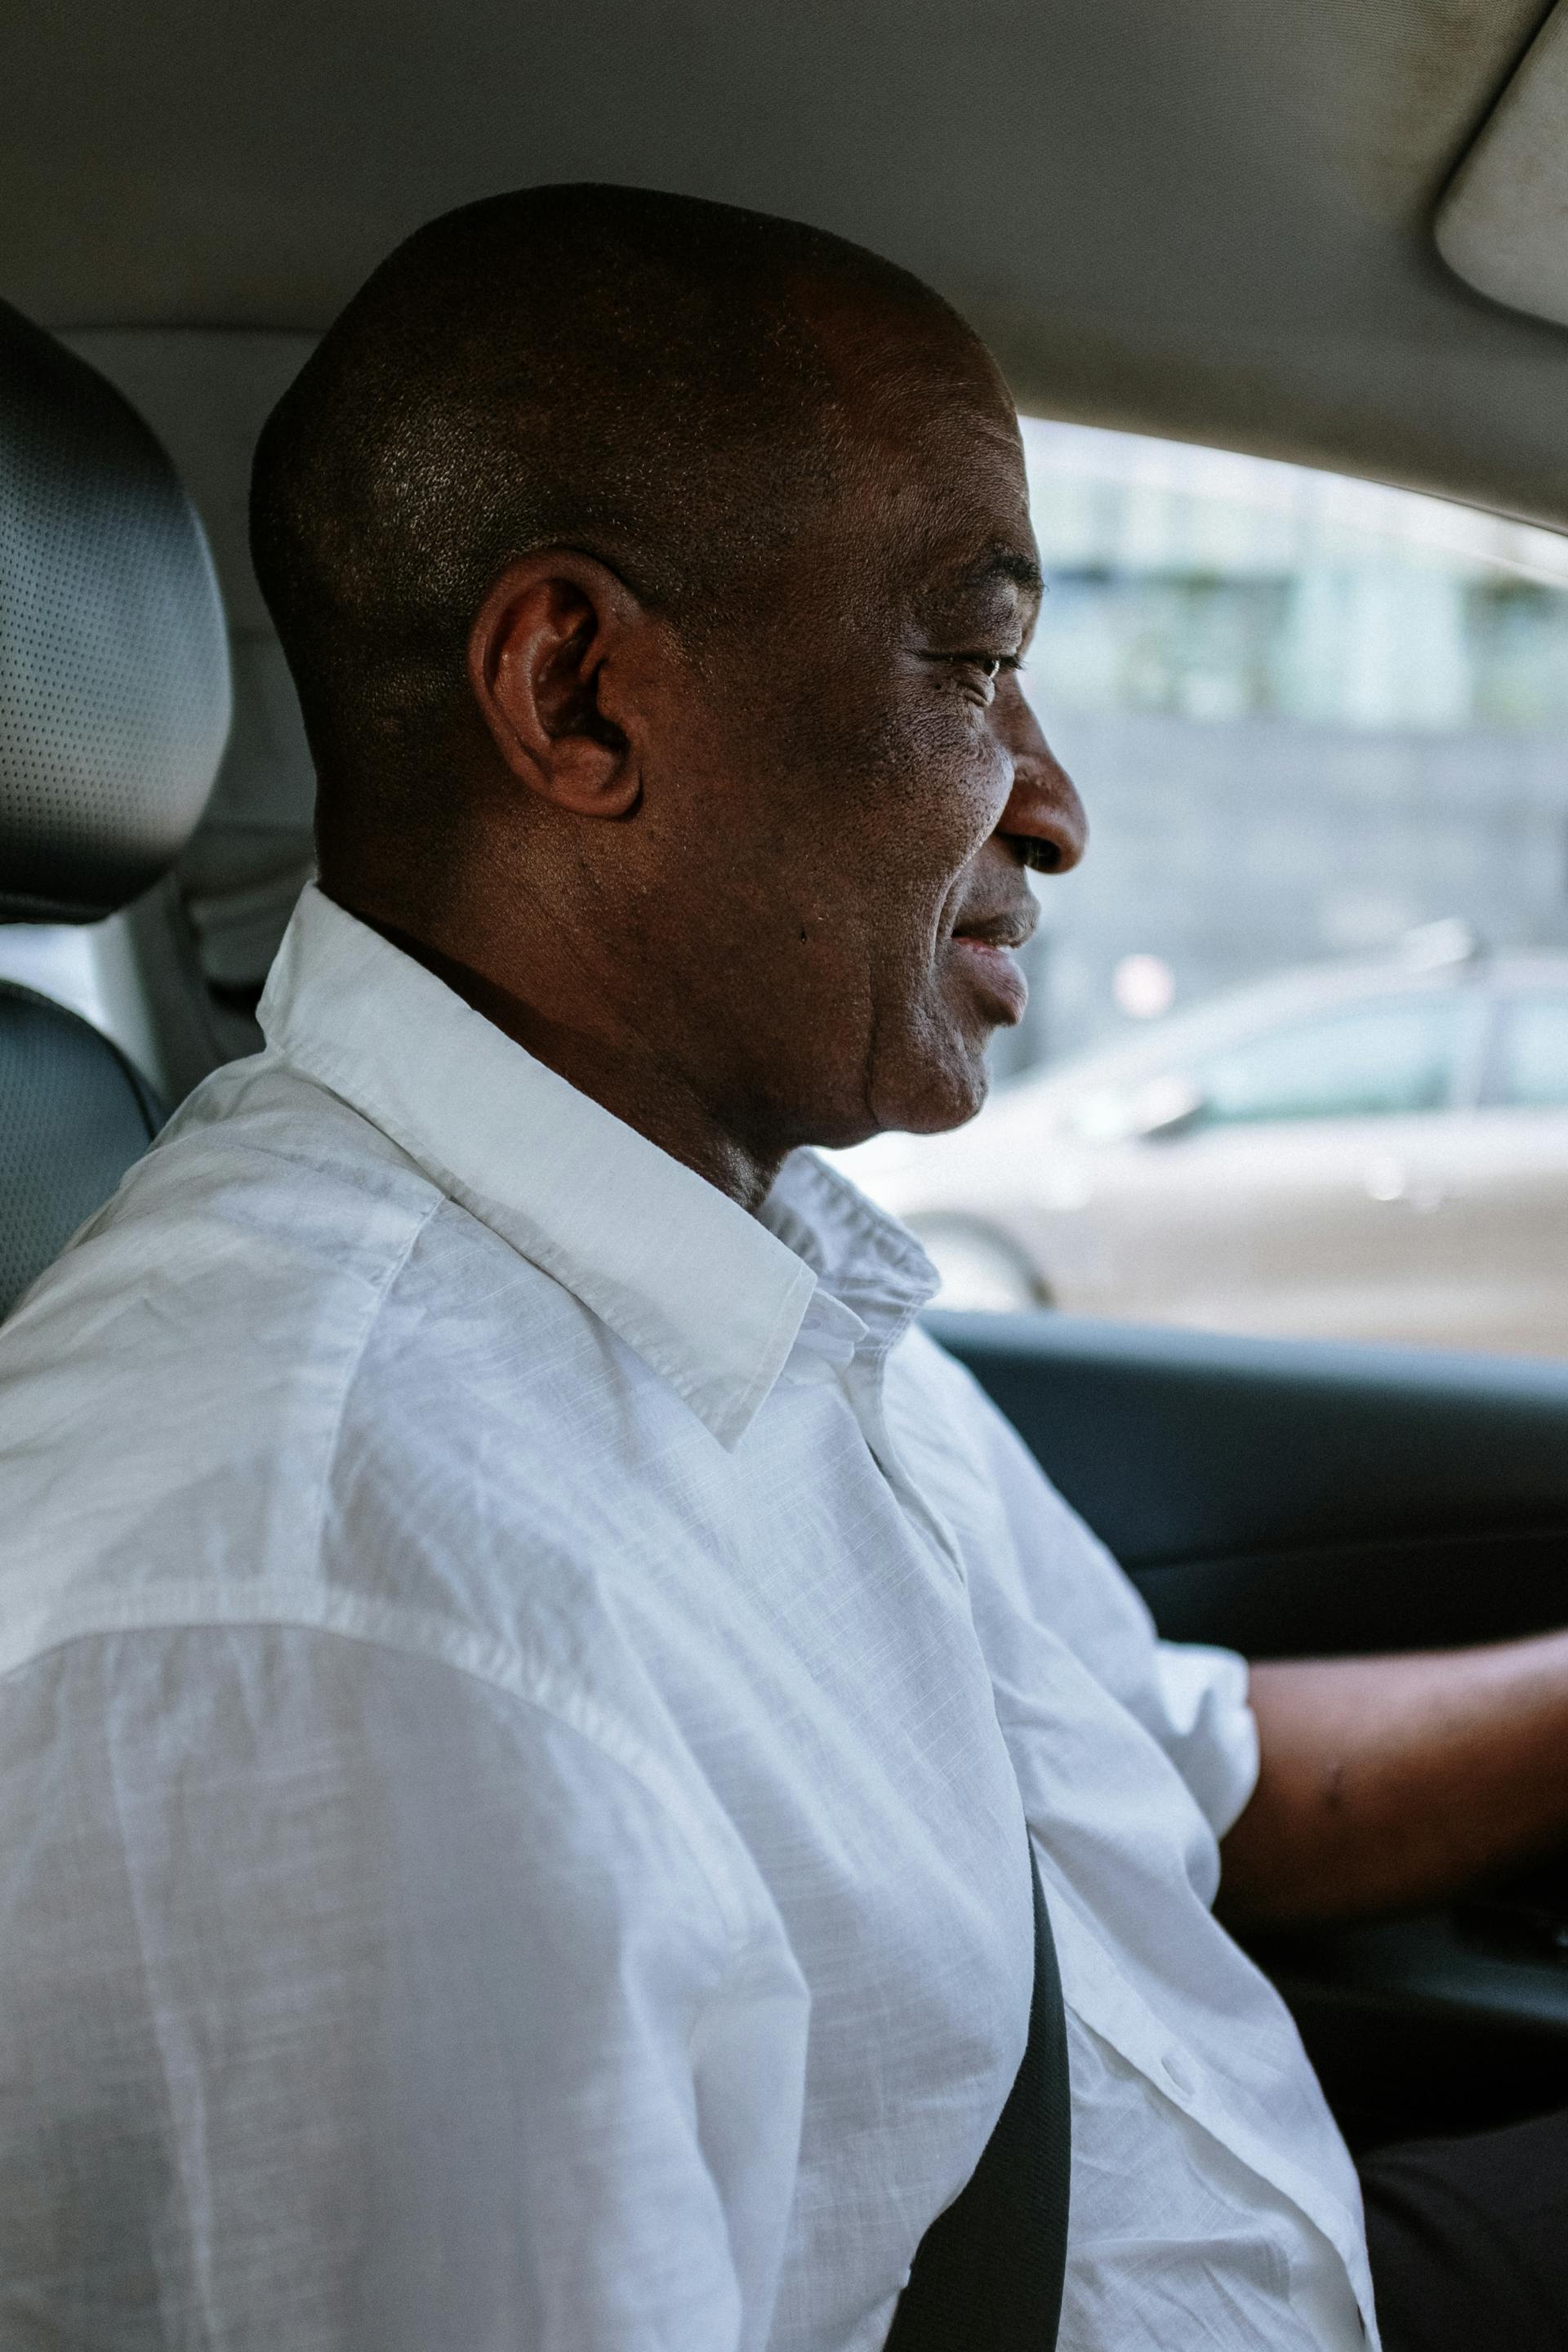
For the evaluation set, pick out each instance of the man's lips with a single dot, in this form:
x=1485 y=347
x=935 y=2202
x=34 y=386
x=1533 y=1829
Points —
x=985 y=944
x=1013 y=929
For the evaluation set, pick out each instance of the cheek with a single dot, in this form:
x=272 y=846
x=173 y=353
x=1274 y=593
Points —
x=953 y=783
x=869 y=807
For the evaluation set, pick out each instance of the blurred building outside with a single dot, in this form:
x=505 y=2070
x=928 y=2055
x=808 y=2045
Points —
x=1307 y=714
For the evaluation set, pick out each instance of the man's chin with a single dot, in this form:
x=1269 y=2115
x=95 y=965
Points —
x=941 y=1120
x=935 y=1077
x=944 y=1094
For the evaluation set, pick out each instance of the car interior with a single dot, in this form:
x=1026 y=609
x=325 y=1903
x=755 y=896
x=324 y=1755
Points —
x=1326 y=232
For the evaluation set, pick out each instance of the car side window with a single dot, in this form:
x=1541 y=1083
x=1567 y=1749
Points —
x=1392 y=1055
x=1530 y=1070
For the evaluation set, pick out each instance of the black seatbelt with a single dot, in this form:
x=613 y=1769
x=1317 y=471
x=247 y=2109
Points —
x=988 y=2275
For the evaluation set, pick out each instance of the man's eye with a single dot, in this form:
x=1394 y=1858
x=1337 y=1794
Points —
x=989 y=666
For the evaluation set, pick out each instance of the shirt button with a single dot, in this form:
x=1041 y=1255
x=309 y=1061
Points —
x=1178 y=2073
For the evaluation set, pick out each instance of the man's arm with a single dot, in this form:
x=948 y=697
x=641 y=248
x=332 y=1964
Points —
x=1394 y=1781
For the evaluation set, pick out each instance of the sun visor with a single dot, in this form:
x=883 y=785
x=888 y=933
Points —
x=1503 y=224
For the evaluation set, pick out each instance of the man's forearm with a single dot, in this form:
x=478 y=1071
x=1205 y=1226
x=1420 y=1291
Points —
x=1395 y=1780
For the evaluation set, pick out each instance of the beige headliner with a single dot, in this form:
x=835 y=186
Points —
x=1503 y=224
x=1201 y=217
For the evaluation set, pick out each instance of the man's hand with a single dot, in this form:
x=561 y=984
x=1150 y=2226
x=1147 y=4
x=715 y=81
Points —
x=1395 y=1780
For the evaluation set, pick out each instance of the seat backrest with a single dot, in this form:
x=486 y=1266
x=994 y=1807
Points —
x=73 y=1116
x=114 y=709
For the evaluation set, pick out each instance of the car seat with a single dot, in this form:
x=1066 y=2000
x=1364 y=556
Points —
x=114 y=709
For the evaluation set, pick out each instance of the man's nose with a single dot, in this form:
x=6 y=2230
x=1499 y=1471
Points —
x=1044 y=815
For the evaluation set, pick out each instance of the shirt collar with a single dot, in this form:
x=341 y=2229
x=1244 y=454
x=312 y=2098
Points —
x=864 y=1260
x=710 y=1299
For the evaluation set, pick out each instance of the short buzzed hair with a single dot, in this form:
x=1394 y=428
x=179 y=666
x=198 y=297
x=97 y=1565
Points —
x=626 y=373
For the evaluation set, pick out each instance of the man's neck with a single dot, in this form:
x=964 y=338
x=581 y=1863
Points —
x=618 y=1073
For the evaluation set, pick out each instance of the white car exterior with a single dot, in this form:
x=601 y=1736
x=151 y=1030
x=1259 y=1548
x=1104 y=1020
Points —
x=1361 y=1151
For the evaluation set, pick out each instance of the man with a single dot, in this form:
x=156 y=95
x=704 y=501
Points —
x=527 y=1673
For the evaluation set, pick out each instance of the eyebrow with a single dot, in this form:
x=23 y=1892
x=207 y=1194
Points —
x=1002 y=562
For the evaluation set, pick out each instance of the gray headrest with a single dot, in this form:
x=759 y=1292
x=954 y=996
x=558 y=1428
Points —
x=114 y=690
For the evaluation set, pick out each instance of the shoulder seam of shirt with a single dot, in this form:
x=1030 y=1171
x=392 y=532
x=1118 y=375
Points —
x=310 y=1607
x=383 y=1289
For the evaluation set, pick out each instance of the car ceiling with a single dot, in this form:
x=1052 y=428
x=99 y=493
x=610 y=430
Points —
x=1205 y=219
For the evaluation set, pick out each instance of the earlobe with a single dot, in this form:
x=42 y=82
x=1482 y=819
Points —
x=538 y=653
x=594 y=778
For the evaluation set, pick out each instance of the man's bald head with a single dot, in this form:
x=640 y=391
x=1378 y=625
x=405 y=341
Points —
x=639 y=377
x=654 y=576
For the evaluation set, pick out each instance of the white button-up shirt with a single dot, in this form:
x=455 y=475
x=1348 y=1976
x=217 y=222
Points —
x=524 y=1687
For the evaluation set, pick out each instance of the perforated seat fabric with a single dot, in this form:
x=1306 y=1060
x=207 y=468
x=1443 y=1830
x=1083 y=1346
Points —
x=114 y=709
x=73 y=1116
x=114 y=679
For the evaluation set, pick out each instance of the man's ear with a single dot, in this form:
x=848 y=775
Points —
x=538 y=653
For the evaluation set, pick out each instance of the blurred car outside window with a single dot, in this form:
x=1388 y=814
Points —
x=1533 y=1058
x=1395 y=1055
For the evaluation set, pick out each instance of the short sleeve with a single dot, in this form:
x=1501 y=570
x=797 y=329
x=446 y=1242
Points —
x=348 y=2002
x=1045 y=1562
x=1206 y=1727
